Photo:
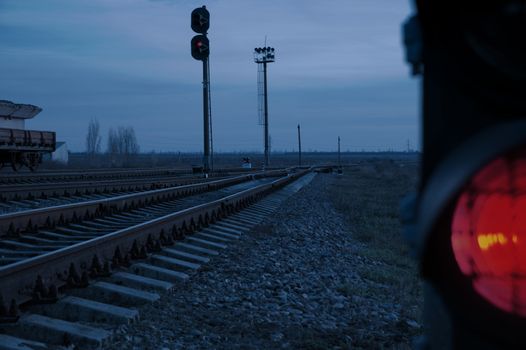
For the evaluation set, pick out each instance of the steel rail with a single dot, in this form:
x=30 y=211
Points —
x=42 y=190
x=28 y=220
x=88 y=175
x=18 y=280
x=85 y=175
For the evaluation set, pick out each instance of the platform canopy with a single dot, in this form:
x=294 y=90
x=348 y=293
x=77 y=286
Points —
x=9 y=109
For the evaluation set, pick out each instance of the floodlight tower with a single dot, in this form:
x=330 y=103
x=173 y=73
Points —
x=262 y=56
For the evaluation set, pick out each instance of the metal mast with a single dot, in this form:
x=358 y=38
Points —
x=262 y=56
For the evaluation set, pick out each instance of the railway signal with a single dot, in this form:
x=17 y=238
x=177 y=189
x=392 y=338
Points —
x=467 y=225
x=200 y=47
x=200 y=50
x=200 y=20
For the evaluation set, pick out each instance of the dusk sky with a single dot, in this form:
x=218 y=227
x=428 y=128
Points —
x=339 y=71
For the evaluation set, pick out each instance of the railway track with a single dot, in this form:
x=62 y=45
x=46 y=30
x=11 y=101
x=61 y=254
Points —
x=86 y=175
x=29 y=220
x=99 y=175
x=42 y=186
x=120 y=257
x=31 y=196
x=21 y=243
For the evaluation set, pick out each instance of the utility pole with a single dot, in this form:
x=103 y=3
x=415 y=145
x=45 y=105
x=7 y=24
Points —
x=339 y=159
x=299 y=144
x=262 y=56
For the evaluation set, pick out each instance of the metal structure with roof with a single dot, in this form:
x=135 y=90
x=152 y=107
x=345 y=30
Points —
x=19 y=146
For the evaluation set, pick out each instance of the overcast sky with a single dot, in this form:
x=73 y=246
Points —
x=339 y=71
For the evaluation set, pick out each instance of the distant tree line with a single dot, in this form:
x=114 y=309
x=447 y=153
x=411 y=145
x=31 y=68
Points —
x=121 y=146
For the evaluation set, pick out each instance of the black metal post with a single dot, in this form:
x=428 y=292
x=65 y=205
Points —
x=206 y=122
x=210 y=118
x=299 y=144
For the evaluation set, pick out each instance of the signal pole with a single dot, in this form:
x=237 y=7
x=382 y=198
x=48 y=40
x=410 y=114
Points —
x=210 y=119
x=200 y=50
x=299 y=144
x=206 y=119
x=262 y=56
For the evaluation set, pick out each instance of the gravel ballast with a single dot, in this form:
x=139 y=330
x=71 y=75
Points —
x=291 y=282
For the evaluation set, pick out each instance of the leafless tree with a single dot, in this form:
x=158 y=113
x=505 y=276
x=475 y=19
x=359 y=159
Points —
x=93 y=138
x=128 y=144
x=122 y=145
x=112 y=146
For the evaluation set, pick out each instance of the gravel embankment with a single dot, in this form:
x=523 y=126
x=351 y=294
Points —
x=290 y=283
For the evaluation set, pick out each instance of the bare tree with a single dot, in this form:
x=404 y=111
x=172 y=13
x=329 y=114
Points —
x=122 y=144
x=112 y=145
x=93 y=138
x=128 y=144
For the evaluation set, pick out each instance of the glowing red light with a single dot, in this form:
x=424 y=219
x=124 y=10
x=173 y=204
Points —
x=489 y=232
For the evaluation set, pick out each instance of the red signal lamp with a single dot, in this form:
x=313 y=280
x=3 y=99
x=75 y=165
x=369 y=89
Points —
x=488 y=232
x=200 y=46
x=470 y=233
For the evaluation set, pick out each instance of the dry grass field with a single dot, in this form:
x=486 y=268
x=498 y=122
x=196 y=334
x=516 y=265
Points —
x=221 y=160
x=368 y=196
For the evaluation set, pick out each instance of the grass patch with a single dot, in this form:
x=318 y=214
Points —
x=368 y=196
